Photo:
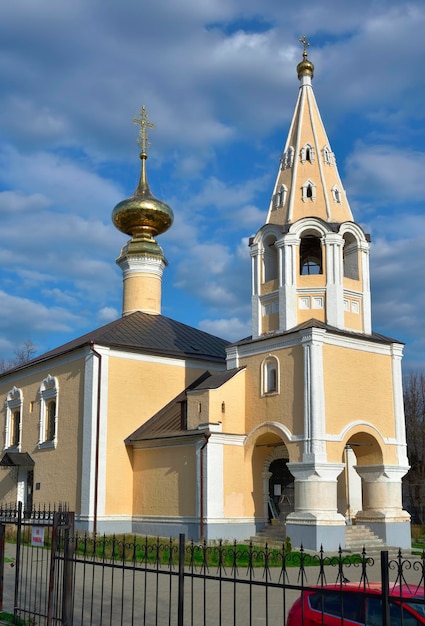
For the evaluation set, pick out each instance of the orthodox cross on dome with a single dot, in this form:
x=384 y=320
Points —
x=144 y=123
x=305 y=43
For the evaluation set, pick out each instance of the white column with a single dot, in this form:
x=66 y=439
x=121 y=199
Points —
x=315 y=522
x=382 y=508
x=287 y=247
x=334 y=280
x=367 y=308
x=314 y=396
x=400 y=423
x=213 y=477
x=255 y=290
x=92 y=438
x=382 y=495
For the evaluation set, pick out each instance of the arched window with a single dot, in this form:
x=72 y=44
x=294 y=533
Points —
x=307 y=153
x=350 y=257
x=13 y=418
x=336 y=194
x=270 y=375
x=48 y=429
x=280 y=197
x=308 y=191
x=328 y=156
x=310 y=255
x=287 y=158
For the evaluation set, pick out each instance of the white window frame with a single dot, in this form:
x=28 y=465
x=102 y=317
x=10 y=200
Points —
x=280 y=197
x=270 y=364
x=304 y=188
x=14 y=402
x=49 y=390
x=307 y=149
x=287 y=158
x=336 y=194
x=328 y=156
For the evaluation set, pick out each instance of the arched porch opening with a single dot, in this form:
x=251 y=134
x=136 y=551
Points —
x=360 y=449
x=272 y=482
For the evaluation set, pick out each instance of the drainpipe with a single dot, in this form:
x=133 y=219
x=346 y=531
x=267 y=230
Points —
x=207 y=435
x=96 y=459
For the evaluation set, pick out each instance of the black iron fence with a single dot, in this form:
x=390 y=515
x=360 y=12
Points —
x=62 y=577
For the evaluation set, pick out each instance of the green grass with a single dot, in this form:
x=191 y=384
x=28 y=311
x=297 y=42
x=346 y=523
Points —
x=227 y=555
x=7 y=618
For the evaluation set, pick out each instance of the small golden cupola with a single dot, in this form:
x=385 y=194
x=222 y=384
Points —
x=143 y=217
x=305 y=67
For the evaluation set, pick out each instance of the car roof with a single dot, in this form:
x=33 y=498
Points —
x=405 y=590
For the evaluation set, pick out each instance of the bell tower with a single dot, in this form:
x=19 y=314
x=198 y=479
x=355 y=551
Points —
x=310 y=260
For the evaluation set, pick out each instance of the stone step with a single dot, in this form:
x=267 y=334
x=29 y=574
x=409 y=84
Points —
x=360 y=536
x=357 y=537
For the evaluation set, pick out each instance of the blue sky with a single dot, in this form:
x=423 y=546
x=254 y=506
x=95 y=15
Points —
x=219 y=81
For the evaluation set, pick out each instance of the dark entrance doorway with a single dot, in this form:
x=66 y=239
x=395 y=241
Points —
x=281 y=489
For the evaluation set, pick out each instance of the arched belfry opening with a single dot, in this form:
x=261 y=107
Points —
x=350 y=257
x=270 y=259
x=361 y=450
x=310 y=255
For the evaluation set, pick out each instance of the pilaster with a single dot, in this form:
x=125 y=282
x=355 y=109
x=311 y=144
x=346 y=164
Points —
x=314 y=396
x=334 y=244
x=287 y=247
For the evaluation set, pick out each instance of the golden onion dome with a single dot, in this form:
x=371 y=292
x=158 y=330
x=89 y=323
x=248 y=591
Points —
x=305 y=67
x=142 y=215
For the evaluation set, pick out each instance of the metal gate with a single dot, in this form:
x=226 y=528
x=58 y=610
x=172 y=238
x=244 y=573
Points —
x=34 y=584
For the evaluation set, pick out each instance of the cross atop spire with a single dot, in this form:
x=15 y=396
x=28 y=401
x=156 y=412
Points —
x=144 y=123
x=305 y=43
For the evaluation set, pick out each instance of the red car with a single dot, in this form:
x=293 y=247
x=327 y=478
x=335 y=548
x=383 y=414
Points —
x=326 y=605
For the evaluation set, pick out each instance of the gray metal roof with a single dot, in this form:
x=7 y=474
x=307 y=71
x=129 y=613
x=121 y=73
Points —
x=153 y=334
x=314 y=323
x=168 y=420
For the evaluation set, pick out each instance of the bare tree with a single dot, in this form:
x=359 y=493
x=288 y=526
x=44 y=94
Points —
x=414 y=407
x=23 y=354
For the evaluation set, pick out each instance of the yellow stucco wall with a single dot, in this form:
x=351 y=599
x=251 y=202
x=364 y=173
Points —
x=358 y=386
x=137 y=390
x=285 y=407
x=165 y=481
x=56 y=470
x=233 y=396
x=354 y=321
x=238 y=500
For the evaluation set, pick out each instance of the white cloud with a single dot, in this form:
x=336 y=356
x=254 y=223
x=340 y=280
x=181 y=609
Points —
x=386 y=173
x=221 y=92
x=108 y=314
x=231 y=329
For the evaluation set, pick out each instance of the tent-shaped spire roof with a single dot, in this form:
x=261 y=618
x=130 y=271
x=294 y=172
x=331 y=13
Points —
x=308 y=183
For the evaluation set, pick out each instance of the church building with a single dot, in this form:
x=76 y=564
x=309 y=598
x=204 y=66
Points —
x=150 y=426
